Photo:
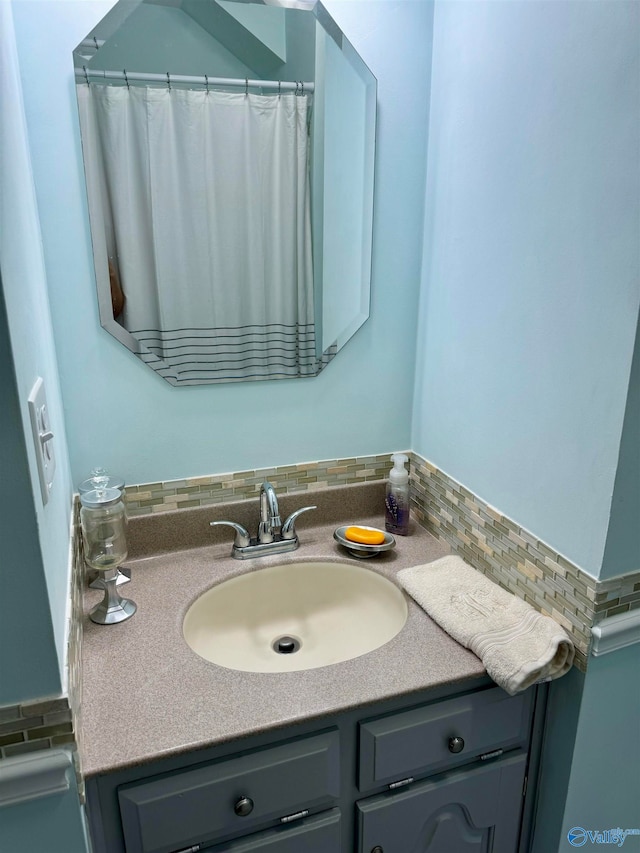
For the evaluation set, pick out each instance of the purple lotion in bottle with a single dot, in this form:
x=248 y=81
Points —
x=397 y=497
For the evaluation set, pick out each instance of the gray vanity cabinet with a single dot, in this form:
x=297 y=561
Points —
x=440 y=771
x=472 y=811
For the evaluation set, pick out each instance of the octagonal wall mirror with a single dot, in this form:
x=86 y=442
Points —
x=229 y=159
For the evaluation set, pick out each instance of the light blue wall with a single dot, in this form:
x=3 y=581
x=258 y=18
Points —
x=591 y=753
x=28 y=663
x=49 y=824
x=603 y=790
x=622 y=549
x=530 y=292
x=119 y=413
x=528 y=314
x=25 y=289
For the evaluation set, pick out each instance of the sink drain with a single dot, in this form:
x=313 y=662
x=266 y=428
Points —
x=285 y=645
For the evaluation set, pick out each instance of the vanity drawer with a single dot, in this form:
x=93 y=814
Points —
x=232 y=796
x=421 y=741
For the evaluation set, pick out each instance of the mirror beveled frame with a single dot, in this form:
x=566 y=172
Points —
x=334 y=326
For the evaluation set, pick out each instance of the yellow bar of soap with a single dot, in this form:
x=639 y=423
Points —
x=364 y=535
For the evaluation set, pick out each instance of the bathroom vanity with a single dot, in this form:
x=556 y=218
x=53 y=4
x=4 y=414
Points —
x=446 y=774
x=406 y=749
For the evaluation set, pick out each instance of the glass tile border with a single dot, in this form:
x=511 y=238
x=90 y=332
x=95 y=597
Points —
x=243 y=485
x=32 y=726
x=516 y=559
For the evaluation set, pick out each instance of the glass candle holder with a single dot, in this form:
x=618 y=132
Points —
x=104 y=521
x=99 y=479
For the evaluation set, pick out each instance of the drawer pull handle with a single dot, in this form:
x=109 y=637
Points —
x=401 y=783
x=494 y=754
x=377 y=849
x=297 y=816
x=456 y=744
x=243 y=807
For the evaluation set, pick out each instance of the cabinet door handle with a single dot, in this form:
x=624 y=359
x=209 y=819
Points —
x=243 y=807
x=456 y=744
x=377 y=849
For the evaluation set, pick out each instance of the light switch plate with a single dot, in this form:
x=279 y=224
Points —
x=42 y=437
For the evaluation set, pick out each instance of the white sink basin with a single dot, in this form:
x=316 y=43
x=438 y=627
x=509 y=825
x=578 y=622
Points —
x=333 y=611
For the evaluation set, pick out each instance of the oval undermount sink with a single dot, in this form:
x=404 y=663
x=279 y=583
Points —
x=295 y=616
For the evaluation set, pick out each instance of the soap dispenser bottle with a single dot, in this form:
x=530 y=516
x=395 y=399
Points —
x=397 y=499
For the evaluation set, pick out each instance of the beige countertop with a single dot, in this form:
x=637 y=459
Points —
x=146 y=694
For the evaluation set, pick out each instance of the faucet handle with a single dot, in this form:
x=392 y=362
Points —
x=289 y=527
x=242 y=535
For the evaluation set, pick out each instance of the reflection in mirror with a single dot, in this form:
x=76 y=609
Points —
x=228 y=150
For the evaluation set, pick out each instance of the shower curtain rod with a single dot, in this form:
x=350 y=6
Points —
x=85 y=73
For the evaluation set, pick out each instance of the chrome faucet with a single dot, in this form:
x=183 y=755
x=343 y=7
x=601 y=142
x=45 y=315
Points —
x=273 y=537
x=270 y=523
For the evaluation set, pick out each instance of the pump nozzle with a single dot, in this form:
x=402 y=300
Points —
x=399 y=459
x=398 y=473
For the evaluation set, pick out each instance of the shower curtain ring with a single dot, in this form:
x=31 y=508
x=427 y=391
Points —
x=86 y=76
x=206 y=82
x=302 y=87
x=279 y=87
x=126 y=79
x=95 y=41
x=246 y=86
x=168 y=81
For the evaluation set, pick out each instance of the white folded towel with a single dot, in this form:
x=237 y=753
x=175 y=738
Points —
x=517 y=645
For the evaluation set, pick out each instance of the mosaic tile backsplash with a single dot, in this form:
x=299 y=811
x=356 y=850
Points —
x=516 y=559
x=31 y=726
x=223 y=488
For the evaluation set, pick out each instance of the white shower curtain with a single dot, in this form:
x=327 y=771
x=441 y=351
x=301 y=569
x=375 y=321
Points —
x=205 y=202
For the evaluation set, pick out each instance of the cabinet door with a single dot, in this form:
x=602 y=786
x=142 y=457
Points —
x=320 y=834
x=472 y=811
